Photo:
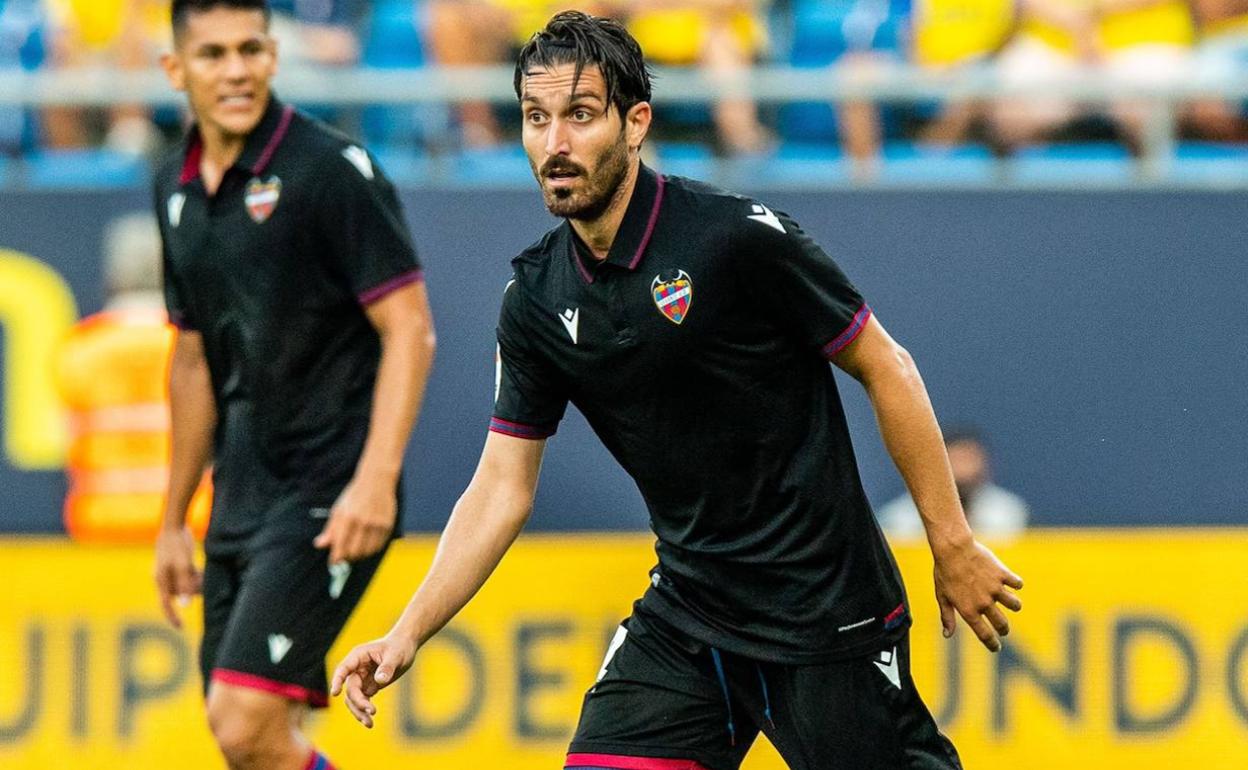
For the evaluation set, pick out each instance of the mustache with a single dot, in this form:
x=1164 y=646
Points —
x=561 y=165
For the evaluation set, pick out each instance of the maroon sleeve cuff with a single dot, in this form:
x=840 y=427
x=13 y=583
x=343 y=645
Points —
x=519 y=430
x=850 y=334
x=179 y=320
x=369 y=296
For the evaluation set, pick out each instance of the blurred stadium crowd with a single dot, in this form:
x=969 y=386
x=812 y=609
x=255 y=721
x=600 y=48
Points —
x=1023 y=47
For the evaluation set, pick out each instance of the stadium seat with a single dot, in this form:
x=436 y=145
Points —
x=392 y=40
x=1072 y=165
x=6 y=168
x=1210 y=163
x=908 y=163
x=406 y=167
x=795 y=164
x=504 y=167
x=688 y=159
x=91 y=169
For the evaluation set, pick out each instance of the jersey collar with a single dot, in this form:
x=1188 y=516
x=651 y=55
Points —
x=258 y=151
x=636 y=228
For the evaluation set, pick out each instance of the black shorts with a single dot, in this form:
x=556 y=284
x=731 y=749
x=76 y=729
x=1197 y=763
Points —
x=272 y=612
x=668 y=702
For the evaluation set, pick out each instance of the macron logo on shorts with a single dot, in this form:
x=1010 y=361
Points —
x=279 y=645
x=338 y=574
x=887 y=663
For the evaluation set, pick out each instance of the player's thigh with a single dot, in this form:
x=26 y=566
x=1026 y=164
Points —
x=658 y=697
x=290 y=609
x=859 y=714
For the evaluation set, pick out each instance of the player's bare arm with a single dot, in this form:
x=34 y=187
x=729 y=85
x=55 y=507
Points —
x=970 y=580
x=363 y=516
x=485 y=522
x=194 y=418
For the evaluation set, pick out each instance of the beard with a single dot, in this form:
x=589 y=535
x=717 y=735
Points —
x=597 y=191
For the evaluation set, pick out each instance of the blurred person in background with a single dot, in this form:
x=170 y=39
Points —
x=694 y=328
x=320 y=32
x=1138 y=42
x=304 y=345
x=724 y=38
x=876 y=36
x=952 y=36
x=109 y=34
x=1221 y=56
x=479 y=33
x=23 y=25
x=112 y=374
x=993 y=512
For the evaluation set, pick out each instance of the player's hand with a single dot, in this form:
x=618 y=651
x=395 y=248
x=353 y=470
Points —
x=367 y=669
x=360 y=522
x=973 y=583
x=177 y=578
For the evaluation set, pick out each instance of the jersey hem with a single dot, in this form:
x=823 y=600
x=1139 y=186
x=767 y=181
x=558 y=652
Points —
x=615 y=757
x=313 y=698
x=842 y=340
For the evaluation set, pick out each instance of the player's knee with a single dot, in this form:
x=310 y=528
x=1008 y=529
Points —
x=244 y=729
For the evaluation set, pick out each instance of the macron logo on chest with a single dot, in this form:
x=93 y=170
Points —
x=571 y=320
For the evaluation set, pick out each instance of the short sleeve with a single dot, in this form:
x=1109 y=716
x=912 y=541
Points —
x=175 y=296
x=529 y=400
x=365 y=233
x=799 y=284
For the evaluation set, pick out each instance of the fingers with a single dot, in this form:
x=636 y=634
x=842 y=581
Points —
x=998 y=620
x=390 y=662
x=1009 y=601
x=357 y=702
x=344 y=669
x=166 y=604
x=326 y=538
x=948 y=617
x=983 y=629
x=1012 y=580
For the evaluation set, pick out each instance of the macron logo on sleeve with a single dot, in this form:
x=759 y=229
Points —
x=765 y=215
x=359 y=158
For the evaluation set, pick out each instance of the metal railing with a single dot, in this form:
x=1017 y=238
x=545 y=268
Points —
x=885 y=83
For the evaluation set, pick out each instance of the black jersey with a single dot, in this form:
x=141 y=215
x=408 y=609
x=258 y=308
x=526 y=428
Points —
x=275 y=271
x=698 y=352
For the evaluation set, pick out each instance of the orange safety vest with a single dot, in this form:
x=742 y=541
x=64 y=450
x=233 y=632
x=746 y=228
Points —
x=112 y=372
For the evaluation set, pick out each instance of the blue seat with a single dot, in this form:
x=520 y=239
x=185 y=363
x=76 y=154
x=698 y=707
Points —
x=1210 y=163
x=405 y=166
x=90 y=169
x=1078 y=165
x=688 y=159
x=906 y=163
x=6 y=169
x=796 y=164
x=503 y=167
x=393 y=40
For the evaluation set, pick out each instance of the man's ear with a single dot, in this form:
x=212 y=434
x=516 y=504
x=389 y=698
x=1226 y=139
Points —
x=172 y=65
x=637 y=124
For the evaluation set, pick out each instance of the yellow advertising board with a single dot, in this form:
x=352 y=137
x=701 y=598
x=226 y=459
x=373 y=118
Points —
x=1131 y=652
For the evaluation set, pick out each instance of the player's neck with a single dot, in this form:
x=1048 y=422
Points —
x=598 y=234
x=221 y=151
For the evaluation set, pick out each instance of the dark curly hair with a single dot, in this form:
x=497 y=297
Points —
x=576 y=37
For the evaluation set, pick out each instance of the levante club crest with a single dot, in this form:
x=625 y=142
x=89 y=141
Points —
x=673 y=293
x=261 y=198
